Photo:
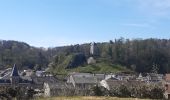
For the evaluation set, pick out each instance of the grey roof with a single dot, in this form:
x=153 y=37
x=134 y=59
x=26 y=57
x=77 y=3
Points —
x=100 y=76
x=82 y=74
x=7 y=76
x=6 y=71
x=154 y=76
x=14 y=72
x=84 y=79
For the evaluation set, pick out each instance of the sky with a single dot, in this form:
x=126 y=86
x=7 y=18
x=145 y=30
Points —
x=50 y=23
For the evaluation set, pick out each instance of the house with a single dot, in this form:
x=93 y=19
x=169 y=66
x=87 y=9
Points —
x=108 y=76
x=99 y=77
x=154 y=78
x=114 y=83
x=5 y=72
x=167 y=86
x=111 y=83
x=39 y=81
x=28 y=72
x=42 y=73
x=107 y=83
x=82 y=80
x=48 y=84
x=54 y=88
x=142 y=78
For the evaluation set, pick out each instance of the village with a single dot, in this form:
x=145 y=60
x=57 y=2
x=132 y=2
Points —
x=28 y=84
x=84 y=50
x=76 y=84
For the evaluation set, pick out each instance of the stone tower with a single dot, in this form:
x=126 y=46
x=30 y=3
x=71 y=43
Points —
x=91 y=59
x=92 y=48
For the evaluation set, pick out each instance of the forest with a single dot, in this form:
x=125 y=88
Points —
x=137 y=55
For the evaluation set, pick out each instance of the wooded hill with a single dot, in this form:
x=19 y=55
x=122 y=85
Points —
x=149 y=55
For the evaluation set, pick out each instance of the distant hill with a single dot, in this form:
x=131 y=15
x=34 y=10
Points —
x=149 y=55
x=21 y=54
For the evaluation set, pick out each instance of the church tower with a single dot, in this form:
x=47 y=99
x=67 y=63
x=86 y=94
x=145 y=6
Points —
x=14 y=77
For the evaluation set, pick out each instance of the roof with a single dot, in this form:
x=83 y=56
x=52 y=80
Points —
x=82 y=74
x=155 y=77
x=14 y=72
x=100 y=76
x=7 y=76
x=84 y=79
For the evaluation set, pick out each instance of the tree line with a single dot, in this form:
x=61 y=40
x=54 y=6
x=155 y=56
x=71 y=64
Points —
x=140 y=55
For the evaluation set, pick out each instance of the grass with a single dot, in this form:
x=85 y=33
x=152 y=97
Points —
x=89 y=98
x=101 y=67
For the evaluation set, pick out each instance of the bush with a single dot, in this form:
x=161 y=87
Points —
x=97 y=91
x=139 y=91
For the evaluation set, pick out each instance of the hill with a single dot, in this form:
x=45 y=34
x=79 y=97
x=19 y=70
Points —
x=138 y=55
x=149 y=55
x=72 y=64
x=21 y=54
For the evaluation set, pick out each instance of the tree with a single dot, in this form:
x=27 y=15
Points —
x=97 y=91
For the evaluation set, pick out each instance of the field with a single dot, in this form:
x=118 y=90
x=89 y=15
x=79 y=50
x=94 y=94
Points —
x=89 y=98
x=101 y=67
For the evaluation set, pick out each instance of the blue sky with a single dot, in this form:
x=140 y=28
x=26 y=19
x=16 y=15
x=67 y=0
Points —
x=49 y=23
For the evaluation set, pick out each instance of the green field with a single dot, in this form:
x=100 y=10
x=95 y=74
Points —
x=100 y=68
x=102 y=65
x=89 y=98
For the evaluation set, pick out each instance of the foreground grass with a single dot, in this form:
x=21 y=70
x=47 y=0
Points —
x=89 y=98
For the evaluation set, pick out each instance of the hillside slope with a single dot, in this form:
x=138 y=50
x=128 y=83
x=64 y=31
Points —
x=149 y=55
